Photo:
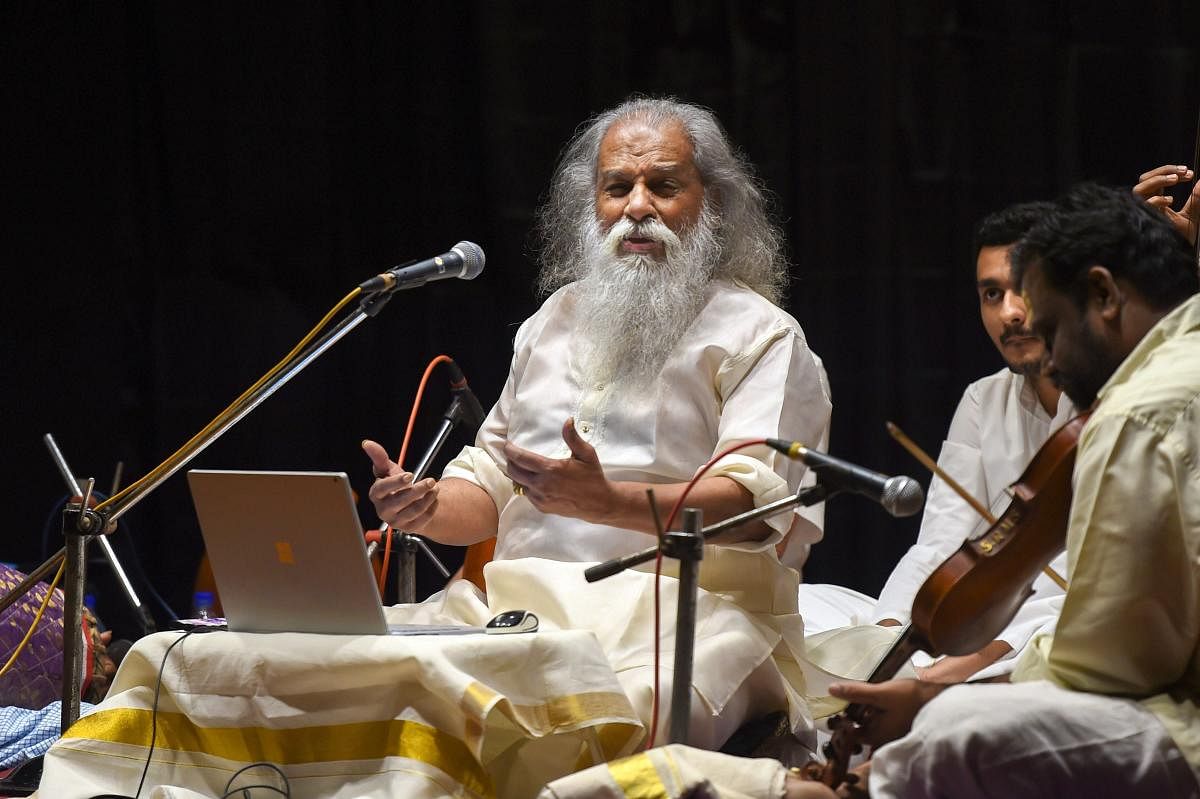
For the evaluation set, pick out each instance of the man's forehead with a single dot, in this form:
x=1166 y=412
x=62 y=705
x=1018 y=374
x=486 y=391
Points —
x=665 y=145
x=992 y=266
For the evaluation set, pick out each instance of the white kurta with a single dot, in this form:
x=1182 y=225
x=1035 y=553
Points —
x=741 y=371
x=998 y=428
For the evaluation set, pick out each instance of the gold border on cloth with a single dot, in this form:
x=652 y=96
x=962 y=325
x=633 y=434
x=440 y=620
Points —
x=364 y=740
x=638 y=778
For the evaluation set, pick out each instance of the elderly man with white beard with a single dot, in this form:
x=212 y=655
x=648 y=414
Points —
x=660 y=346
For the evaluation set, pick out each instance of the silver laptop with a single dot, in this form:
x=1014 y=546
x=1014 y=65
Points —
x=287 y=552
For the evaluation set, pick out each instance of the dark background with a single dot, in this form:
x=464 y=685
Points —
x=192 y=185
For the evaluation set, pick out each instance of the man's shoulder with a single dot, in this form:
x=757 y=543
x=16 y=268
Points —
x=1164 y=394
x=553 y=307
x=735 y=304
x=992 y=410
x=1159 y=382
x=995 y=388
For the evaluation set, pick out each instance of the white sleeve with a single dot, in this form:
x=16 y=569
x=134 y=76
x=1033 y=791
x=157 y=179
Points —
x=776 y=389
x=948 y=519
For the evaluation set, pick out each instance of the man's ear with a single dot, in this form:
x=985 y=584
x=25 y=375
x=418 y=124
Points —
x=1103 y=293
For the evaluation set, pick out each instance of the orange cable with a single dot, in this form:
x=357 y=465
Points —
x=412 y=418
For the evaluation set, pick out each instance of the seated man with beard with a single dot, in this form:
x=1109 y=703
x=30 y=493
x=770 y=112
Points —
x=661 y=345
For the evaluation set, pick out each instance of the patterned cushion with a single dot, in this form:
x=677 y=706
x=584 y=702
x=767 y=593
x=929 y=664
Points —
x=35 y=679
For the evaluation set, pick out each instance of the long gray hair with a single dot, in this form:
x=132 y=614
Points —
x=751 y=247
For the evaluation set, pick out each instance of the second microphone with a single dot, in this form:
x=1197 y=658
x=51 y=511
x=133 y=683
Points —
x=899 y=495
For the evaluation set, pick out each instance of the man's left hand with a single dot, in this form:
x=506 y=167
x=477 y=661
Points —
x=574 y=486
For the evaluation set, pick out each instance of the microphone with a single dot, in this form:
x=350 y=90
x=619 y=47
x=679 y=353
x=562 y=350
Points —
x=899 y=496
x=464 y=260
x=472 y=411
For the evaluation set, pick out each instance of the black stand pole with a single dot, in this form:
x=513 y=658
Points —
x=74 y=574
x=687 y=547
x=406 y=584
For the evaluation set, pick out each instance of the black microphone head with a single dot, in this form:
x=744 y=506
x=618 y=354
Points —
x=473 y=259
x=902 y=496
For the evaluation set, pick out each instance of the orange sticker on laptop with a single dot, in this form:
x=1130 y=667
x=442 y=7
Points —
x=283 y=551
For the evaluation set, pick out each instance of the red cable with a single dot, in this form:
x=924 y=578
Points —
x=658 y=573
x=412 y=418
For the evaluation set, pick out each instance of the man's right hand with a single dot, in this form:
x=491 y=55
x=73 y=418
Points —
x=398 y=501
x=1152 y=187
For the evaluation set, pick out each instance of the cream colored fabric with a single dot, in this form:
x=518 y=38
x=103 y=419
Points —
x=1130 y=624
x=673 y=771
x=352 y=716
x=741 y=371
x=744 y=639
x=829 y=607
x=997 y=429
x=1031 y=740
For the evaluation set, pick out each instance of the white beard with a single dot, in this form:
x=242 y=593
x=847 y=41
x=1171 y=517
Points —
x=633 y=309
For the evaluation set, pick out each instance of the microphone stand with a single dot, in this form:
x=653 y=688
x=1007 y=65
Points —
x=462 y=406
x=687 y=546
x=81 y=523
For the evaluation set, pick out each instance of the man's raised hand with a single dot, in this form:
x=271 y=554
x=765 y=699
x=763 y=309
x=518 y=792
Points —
x=398 y=501
x=574 y=486
x=1153 y=186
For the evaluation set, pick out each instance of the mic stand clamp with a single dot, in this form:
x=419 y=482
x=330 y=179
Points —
x=79 y=522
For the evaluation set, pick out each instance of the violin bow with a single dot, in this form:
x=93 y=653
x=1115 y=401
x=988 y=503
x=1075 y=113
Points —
x=929 y=463
x=1194 y=222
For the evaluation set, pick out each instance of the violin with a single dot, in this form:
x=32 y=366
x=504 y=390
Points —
x=974 y=594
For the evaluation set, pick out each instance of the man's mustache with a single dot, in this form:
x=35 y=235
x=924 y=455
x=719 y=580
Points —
x=1011 y=333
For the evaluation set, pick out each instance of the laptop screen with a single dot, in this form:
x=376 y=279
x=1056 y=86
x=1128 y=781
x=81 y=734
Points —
x=287 y=551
